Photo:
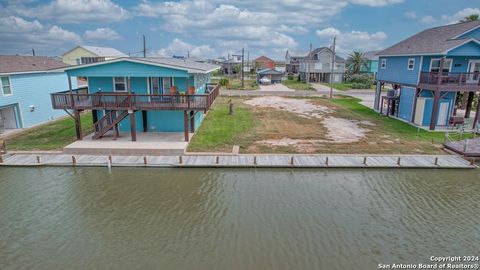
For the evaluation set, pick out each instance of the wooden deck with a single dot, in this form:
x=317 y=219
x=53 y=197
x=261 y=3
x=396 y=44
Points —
x=79 y=99
x=243 y=161
x=467 y=147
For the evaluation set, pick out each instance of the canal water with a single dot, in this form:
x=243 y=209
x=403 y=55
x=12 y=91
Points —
x=134 y=218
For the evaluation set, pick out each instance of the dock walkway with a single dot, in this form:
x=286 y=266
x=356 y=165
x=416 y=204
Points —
x=243 y=161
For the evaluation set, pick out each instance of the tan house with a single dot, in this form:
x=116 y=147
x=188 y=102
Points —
x=90 y=54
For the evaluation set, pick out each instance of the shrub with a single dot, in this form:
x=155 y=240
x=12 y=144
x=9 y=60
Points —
x=223 y=82
x=362 y=79
x=356 y=85
x=290 y=77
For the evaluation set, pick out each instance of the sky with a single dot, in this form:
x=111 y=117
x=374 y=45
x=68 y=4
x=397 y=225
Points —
x=214 y=28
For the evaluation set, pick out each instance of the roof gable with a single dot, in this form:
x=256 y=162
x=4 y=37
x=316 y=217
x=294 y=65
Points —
x=469 y=47
x=437 y=40
x=263 y=59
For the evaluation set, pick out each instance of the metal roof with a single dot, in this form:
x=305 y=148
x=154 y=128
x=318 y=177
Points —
x=269 y=71
x=181 y=64
x=437 y=40
x=101 y=51
x=25 y=64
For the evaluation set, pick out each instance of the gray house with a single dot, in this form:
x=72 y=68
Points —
x=317 y=66
x=292 y=61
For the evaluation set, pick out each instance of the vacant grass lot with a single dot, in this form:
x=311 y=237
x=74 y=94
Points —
x=297 y=85
x=51 y=136
x=236 y=84
x=344 y=86
x=250 y=125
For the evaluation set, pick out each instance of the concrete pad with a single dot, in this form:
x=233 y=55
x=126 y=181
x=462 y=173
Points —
x=148 y=143
x=277 y=87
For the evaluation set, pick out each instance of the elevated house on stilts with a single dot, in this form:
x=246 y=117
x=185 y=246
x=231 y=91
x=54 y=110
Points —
x=132 y=95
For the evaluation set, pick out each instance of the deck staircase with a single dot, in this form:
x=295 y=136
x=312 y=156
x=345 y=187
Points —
x=107 y=122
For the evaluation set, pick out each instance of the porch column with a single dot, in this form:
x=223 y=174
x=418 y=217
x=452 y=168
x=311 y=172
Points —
x=468 y=109
x=477 y=115
x=78 y=125
x=417 y=91
x=185 y=125
x=133 y=130
x=192 y=121
x=144 y=121
x=378 y=91
x=436 y=99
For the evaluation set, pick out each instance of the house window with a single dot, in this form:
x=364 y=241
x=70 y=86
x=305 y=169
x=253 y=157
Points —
x=120 y=84
x=318 y=65
x=7 y=90
x=167 y=83
x=383 y=64
x=435 y=65
x=155 y=86
x=411 y=63
x=78 y=61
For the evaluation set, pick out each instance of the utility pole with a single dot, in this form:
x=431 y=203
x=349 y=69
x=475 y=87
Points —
x=308 y=64
x=243 y=54
x=33 y=52
x=144 y=47
x=333 y=65
x=248 y=60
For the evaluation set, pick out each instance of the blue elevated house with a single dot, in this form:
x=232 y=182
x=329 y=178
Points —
x=25 y=86
x=428 y=72
x=140 y=95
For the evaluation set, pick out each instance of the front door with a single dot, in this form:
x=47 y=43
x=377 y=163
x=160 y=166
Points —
x=473 y=72
x=442 y=114
x=7 y=118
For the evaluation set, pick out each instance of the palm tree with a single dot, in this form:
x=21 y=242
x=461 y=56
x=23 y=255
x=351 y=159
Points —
x=355 y=61
x=470 y=18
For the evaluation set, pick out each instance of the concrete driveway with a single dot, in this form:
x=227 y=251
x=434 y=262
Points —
x=277 y=87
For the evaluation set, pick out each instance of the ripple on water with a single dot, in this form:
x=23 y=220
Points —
x=56 y=218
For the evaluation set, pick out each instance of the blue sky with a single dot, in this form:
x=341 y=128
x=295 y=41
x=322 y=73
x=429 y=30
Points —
x=212 y=28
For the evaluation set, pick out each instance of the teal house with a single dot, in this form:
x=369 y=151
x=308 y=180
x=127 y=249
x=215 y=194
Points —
x=433 y=72
x=140 y=95
x=371 y=63
x=25 y=86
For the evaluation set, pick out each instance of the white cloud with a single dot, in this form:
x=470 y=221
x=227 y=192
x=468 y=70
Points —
x=253 y=24
x=101 y=34
x=179 y=47
x=460 y=15
x=444 y=19
x=376 y=3
x=73 y=11
x=427 y=19
x=353 y=40
x=295 y=29
x=18 y=34
x=410 y=14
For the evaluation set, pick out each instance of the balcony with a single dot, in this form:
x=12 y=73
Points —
x=450 y=81
x=80 y=99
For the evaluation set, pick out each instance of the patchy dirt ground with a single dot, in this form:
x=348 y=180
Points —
x=339 y=130
x=274 y=124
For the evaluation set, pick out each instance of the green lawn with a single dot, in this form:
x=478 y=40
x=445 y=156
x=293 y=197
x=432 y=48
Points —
x=297 y=85
x=250 y=126
x=236 y=84
x=220 y=131
x=389 y=125
x=343 y=86
x=51 y=136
